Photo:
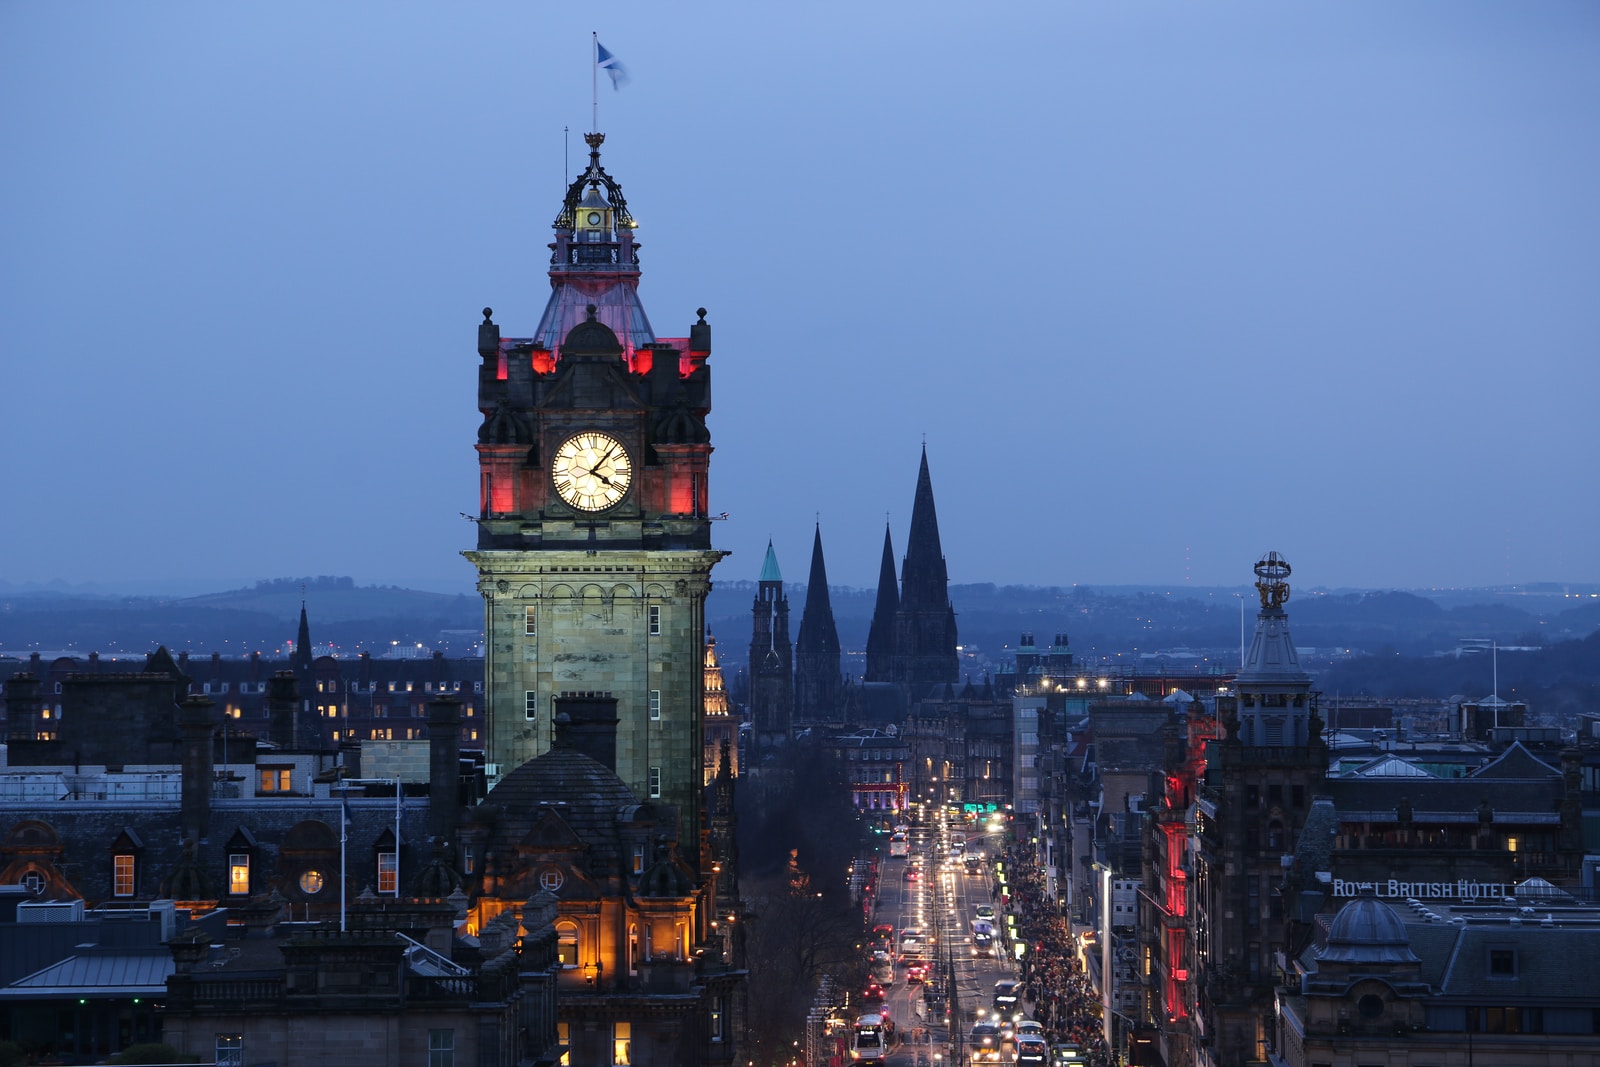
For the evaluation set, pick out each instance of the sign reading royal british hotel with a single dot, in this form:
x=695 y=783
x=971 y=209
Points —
x=1394 y=887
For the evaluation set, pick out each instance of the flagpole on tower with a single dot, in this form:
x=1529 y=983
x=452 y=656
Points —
x=594 y=81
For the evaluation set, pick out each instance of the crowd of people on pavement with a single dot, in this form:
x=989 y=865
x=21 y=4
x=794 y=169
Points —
x=1054 y=983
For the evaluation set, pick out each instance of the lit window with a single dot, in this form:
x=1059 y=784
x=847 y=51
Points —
x=122 y=875
x=638 y=858
x=530 y=622
x=239 y=874
x=530 y=705
x=655 y=783
x=621 y=1044
x=567 y=945
x=277 y=779
x=655 y=705
x=230 y=1050
x=311 y=882
x=441 y=1048
x=388 y=876
x=551 y=879
x=655 y=620
x=716 y=1021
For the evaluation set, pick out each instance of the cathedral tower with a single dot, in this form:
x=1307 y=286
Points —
x=771 y=658
x=594 y=548
x=816 y=668
x=925 y=623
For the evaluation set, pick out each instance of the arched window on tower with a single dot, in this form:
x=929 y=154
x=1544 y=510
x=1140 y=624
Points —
x=567 y=944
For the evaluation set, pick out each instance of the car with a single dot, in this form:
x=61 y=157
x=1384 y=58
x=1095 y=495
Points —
x=873 y=993
x=1007 y=993
x=984 y=1041
x=1008 y=1029
x=974 y=864
x=1067 y=1054
x=984 y=912
x=912 y=874
x=916 y=971
x=1029 y=1028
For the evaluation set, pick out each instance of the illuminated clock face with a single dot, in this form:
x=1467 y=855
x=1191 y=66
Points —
x=592 y=471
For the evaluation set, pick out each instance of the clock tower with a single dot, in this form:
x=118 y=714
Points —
x=594 y=548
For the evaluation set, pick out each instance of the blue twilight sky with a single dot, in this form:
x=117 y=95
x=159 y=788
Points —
x=1164 y=285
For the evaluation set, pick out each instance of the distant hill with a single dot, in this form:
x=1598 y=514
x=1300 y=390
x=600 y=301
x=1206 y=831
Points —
x=1399 y=629
x=236 y=622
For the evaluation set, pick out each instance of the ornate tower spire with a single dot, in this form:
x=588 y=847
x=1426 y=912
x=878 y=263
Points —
x=925 y=625
x=1274 y=704
x=816 y=674
x=594 y=260
x=880 y=638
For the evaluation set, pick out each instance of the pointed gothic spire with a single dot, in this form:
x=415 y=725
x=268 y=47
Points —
x=925 y=625
x=880 y=638
x=816 y=676
x=817 y=629
x=302 y=643
x=923 y=582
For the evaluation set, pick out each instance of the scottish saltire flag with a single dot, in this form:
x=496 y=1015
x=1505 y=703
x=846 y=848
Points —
x=611 y=65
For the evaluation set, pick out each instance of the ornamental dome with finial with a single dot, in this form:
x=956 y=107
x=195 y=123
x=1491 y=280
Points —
x=1271 y=574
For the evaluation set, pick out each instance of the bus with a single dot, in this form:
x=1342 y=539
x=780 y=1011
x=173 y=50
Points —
x=868 y=1042
x=899 y=845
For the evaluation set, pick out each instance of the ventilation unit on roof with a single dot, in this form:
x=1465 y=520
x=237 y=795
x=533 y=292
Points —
x=50 y=911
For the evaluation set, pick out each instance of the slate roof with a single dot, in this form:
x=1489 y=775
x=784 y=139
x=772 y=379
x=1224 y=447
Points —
x=1517 y=763
x=1554 y=964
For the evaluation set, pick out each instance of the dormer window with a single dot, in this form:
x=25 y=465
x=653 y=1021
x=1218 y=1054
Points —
x=1502 y=963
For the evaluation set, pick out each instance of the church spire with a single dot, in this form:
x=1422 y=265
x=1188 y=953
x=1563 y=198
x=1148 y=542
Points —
x=922 y=580
x=302 y=645
x=925 y=625
x=880 y=638
x=816 y=674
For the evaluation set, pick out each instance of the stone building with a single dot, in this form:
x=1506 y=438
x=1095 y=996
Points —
x=1400 y=984
x=646 y=975
x=1261 y=776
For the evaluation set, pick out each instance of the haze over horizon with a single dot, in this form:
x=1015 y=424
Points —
x=1164 y=286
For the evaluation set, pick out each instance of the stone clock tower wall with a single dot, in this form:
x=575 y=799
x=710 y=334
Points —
x=594 y=548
